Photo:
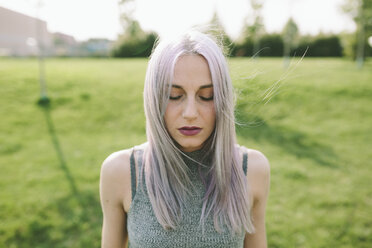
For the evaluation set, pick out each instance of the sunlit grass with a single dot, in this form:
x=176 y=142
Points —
x=315 y=127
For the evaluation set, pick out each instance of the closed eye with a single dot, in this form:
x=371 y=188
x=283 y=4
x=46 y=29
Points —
x=175 y=97
x=206 y=98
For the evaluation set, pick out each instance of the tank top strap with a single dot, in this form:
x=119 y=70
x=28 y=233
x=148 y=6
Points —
x=133 y=175
x=245 y=162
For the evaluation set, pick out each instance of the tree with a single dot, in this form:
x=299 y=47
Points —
x=253 y=28
x=290 y=34
x=126 y=9
x=257 y=28
x=361 y=12
x=134 y=41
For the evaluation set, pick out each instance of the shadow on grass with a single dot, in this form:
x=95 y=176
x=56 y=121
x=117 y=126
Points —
x=53 y=135
x=72 y=221
x=291 y=141
x=67 y=222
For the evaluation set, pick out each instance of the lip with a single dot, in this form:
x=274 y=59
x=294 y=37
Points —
x=189 y=130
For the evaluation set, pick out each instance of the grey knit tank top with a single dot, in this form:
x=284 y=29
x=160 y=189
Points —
x=144 y=231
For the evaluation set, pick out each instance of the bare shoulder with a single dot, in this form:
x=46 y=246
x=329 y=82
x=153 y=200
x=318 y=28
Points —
x=258 y=172
x=115 y=176
x=258 y=164
x=116 y=164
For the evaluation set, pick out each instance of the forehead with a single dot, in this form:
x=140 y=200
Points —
x=192 y=69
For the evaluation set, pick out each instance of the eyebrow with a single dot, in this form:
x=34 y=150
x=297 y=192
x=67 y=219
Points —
x=201 y=87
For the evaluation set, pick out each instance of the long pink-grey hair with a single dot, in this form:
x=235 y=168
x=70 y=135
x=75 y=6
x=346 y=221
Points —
x=167 y=180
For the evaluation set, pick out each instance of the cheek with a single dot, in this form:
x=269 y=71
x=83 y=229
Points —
x=213 y=117
x=167 y=116
x=170 y=115
x=210 y=115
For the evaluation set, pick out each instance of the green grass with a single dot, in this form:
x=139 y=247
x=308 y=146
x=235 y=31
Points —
x=315 y=127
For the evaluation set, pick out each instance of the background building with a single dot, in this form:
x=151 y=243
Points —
x=20 y=34
x=64 y=45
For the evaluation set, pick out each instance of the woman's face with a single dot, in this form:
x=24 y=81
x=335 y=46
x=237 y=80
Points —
x=190 y=116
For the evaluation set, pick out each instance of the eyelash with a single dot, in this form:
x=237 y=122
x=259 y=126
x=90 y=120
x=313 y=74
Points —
x=207 y=98
x=175 y=98
x=203 y=98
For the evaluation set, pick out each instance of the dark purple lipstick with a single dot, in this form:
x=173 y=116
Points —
x=189 y=131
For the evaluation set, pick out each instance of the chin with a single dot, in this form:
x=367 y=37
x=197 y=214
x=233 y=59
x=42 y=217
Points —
x=190 y=147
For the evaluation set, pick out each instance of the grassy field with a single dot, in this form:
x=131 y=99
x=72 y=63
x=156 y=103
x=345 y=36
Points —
x=313 y=121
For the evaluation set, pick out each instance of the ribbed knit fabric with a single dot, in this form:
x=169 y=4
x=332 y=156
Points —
x=144 y=230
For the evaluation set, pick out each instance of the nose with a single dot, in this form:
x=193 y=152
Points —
x=190 y=111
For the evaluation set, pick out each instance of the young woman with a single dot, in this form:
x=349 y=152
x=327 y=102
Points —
x=191 y=184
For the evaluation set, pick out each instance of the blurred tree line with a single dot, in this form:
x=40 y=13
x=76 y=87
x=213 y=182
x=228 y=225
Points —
x=255 y=41
x=274 y=45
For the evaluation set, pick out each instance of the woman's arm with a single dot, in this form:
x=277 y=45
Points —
x=259 y=181
x=115 y=173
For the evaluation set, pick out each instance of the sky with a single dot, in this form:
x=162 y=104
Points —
x=86 y=19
